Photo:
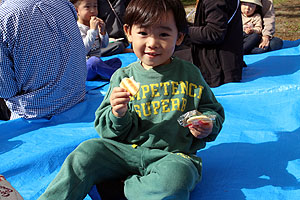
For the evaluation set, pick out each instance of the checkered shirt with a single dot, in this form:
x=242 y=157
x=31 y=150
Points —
x=42 y=57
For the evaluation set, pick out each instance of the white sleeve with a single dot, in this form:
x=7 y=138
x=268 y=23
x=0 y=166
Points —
x=89 y=39
x=104 y=40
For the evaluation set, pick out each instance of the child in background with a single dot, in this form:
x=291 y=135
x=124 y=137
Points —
x=252 y=24
x=141 y=141
x=94 y=37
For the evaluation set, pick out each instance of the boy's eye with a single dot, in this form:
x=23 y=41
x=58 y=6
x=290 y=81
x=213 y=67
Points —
x=142 y=33
x=164 y=34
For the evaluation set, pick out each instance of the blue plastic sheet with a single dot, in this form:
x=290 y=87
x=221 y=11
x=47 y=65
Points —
x=256 y=155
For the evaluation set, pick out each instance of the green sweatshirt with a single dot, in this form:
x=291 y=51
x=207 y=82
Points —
x=166 y=93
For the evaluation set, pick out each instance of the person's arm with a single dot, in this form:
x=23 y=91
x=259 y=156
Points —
x=257 y=24
x=210 y=106
x=110 y=126
x=215 y=28
x=88 y=38
x=104 y=40
x=268 y=17
x=8 y=81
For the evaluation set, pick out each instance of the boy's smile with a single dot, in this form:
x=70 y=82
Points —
x=155 y=45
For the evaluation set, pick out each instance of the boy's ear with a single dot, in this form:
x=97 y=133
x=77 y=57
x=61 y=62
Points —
x=180 y=38
x=127 y=32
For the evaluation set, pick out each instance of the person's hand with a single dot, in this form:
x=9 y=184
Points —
x=264 y=42
x=248 y=30
x=202 y=130
x=101 y=26
x=119 y=99
x=94 y=23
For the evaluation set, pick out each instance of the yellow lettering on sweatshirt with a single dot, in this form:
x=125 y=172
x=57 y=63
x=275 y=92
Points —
x=174 y=88
x=192 y=87
x=165 y=88
x=137 y=109
x=175 y=104
x=156 y=106
x=165 y=105
x=183 y=104
x=184 y=87
x=154 y=89
x=146 y=109
x=145 y=89
x=200 y=91
x=165 y=97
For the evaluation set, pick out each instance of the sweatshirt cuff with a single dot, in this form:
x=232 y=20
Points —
x=120 y=122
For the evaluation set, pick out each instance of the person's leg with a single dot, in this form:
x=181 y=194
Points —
x=250 y=41
x=4 y=111
x=114 y=63
x=91 y=66
x=257 y=50
x=97 y=68
x=113 y=48
x=111 y=189
x=171 y=177
x=275 y=44
x=90 y=163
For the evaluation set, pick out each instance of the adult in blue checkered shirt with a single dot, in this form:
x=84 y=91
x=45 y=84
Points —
x=42 y=58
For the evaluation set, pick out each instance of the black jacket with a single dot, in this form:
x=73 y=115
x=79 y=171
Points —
x=217 y=41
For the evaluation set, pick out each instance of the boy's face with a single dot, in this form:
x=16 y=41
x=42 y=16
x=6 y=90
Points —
x=155 y=45
x=248 y=8
x=85 y=10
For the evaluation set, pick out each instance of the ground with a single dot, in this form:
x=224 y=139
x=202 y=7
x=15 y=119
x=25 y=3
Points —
x=288 y=19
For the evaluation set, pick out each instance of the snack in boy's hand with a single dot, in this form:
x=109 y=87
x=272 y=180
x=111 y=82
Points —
x=199 y=120
x=130 y=85
x=195 y=117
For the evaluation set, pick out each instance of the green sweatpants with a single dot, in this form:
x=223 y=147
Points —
x=148 y=173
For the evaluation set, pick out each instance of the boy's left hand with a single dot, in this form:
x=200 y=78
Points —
x=202 y=130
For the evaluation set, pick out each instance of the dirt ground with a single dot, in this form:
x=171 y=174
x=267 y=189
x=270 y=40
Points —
x=287 y=14
x=288 y=20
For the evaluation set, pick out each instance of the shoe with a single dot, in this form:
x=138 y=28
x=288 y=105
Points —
x=111 y=190
x=244 y=64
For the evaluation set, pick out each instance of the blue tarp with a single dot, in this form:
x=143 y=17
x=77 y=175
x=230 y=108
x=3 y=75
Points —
x=256 y=155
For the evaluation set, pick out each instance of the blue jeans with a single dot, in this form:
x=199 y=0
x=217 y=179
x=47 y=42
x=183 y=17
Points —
x=99 y=69
x=275 y=44
x=250 y=41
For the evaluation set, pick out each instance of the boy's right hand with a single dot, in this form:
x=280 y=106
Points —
x=119 y=99
x=94 y=23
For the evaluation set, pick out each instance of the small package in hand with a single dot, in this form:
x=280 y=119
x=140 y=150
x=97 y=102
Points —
x=195 y=118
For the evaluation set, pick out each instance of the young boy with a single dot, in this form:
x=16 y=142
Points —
x=94 y=37
x=141 y=141
x=252 y=24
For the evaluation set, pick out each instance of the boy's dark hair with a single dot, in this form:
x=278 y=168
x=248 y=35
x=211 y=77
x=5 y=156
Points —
x=149 y=12
x=75 y=2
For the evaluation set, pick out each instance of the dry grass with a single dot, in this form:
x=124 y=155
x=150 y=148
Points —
x=287 y=19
